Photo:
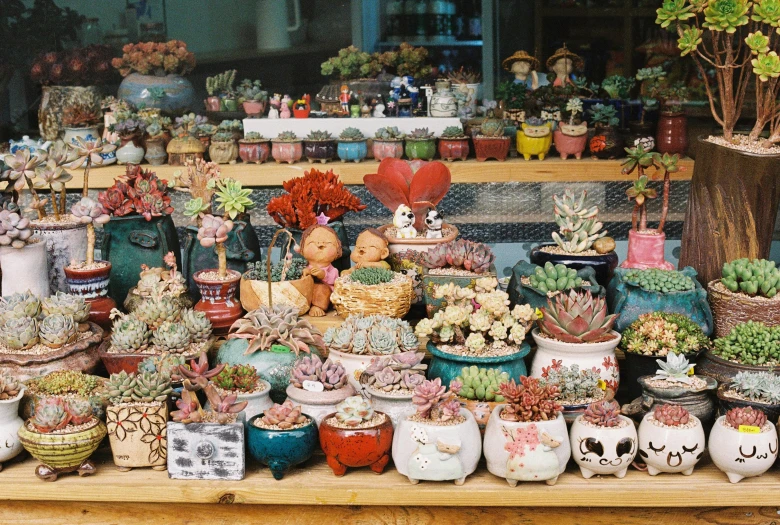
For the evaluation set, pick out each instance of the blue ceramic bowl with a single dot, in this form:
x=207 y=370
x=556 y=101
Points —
x=281 y=449
x=352 y=151
x=448 y=366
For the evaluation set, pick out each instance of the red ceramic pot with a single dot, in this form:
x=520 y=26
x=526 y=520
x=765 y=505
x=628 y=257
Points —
x=384 y=149
x=361 y=447
x=128 y=363
x=453 y=149
x=92 y=285
x=218 y=300
x=672 y=133
x=491 y=148
x=646 y=250
x=256 y=152
x=254 y=108
x=301 y=113
x=212 y=103
x=288 y=152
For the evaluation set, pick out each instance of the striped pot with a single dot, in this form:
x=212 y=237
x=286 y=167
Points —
x=59 y=453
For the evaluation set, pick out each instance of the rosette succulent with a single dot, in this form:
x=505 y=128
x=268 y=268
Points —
x=531 y=400
x=661 y=333
x=351 y=135
x=604 y=413
x=80 y=410
x=197 y=324
x=130 y=334
x=57 y=330
x=284 y=416
x=280 y=325
x=676 y=369
x=382 y=340
x=171 y=337
x=726 y=15
x=577 y=317
x=239 y=378
x=151 y=387
x=20 y=305
x=745 y=417
x=463 y=254
x=434 y=403
x=213 y=230
x=50 y=415
x=154 y=311
x=90 y=211
x=19 y=333
x=15 y=231
x=354 y=410
x=578 y=222
x=671 y=415
x=66 y=304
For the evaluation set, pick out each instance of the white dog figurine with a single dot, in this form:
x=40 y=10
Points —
x=433 y=222
x=403 y=220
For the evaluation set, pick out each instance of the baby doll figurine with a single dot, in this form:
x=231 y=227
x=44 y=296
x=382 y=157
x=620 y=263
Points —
x=370 y=251
x=320 y=246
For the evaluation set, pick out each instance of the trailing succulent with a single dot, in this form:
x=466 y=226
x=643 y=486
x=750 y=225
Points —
x=676 y=369
x=578 y=224
x=662 y=333
x=751 y=277
x=577 y=317
x=604 y=413
x=671 y=415
x=745 y=416
x=656 y=280
x=463 y=254
x=762 y=387
x=751 y=343
x=434 y=403
x=354 y=411
x=266 y=327
x=479 y=384
x=330 y=374
x=574 y=385
x=529 y=401
x=372 y=335
x=372 y=276
x=404 y=371
x=554 y=278
x=280 y=271
x=284 y=416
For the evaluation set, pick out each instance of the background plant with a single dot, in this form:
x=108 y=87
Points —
x=157 y=58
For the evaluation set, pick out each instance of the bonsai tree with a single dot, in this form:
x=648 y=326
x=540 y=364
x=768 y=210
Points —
x=639 y=160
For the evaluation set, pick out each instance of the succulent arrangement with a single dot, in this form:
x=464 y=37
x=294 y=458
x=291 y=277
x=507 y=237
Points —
x=676 y=369
x=657 y=280
x=480 y=384
x=237 y=378
x=397 y=373
x=751 y=343
x=330 y=374
x=224 y=410
x=155 y=58
x=578 y=223
x=372 y=276
x=80 y=115
x=554 y=278
x=9 y=386
x=751 y=277
x=407 y=60
x=745 y=417
x=577 y=317
x=221 y=83
x=420 y=134
x=222 y=136
x=251 y=90
x=603 y=115
x=23 y=304
x=166 y=363
x=763 y=387
x=197 y=374
x=662 y=333
x=529 y=401
x=351 y=63
x=574 y=386
x=671 y=415
x=26 y=321
x=284 y=417
x=453 y=132
x=138 y=191
x=318 y=135
x=143 y=387
x=513 y=94
x=55 y=413
x=287 y=136
x=434 y=403
x=253 y=136
x=461 y=254
x=604 y=413
x=389 y=133
x=280 y=271
x=351 y=135
x=65 y=383
x=618 y=87
x=265 y=328
x=159 y=325
x=354 y=411
x=372 y=335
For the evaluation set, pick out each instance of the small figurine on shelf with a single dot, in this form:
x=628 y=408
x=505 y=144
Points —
x=284 y=111
x=433 y=222
x=302 y=106
x=403 y=220
x=562 y=65
x=354 y=106
x=365 y=109
x=379 y=107
x=344 y=97
x=523 y=66
x=320 y=246
x=371 y=250
x=276 y=104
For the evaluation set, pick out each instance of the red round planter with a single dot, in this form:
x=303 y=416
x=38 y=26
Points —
x=256 y=152
x=672 y=133
x=92 y=285
x=453 y=149
x=218 y=300
x=362 y=447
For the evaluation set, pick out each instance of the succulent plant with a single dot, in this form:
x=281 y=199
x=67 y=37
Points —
x=745 y=416
x=294 y=267
x=372 y=276
x=231 y=125
x=577 y=317
x=20 y=305
x=197 y=324
x=492 y=128
x=251 y=90
x=434 y=403
x=578 y=224
x=467 y=255
x=197 y=374
x=656 y=280
x=479 y=383
x=317 y=135
x=19 y=333
x=90 y=211
x=287 y=136
x=253 y=136
x=453 y=132
x=15 y=231
x=352 y=134
x=554 y=278
x=331 y=374
x=62 y=382
x=189 y=409
x=671 y=415
x=80 y=410
x=354 y=410
x=166 y=363
x=531 y=400
x=284 y=416
x=120 y=387
x=238 y=378
x=763 y=387
x=232 y=198
x=213 y=230
x=57 y=330
x=225 y=408
x=154 y=311
x=604 y=413
x=604 y=115
x=751 y=343
x=152 y=387
x=222 y=136
x=280 y=325
x=751 y=277
x=661 y=333
x=9 y=386
x=66 y=304
x=50 y=415
x=355 y=336
x=383 y=340
x=403 y=371
x=130 y=334
x=676 y=369
x=389 y=133
x=221 y=82
x=574 y=385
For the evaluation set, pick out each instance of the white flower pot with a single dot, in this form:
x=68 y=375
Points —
x=424 y=451
x=396 y=407
x=10 y=422
x=257 y=402
x=65 y=242
x=741 y=454
x=25 y=269
x=353 y=364
x=88 y=134
x=510 y=456
x=597 y=356
x=670 y=449
x=129 y=153
x=319 y=404
x=603 y=451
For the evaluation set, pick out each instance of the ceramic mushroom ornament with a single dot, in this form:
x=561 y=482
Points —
x=523 y=66
x=563 y=63
x=320 y=246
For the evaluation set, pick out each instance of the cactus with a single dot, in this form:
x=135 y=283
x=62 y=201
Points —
x=661 y=333
x=319 y=135
x=763 y=387
x=453 y=132
x=287 y=136
x=745 y=416
x=577 y=317
x=554 y=278
x=574 y=385
x=372 y=276
x=605 y=413
x=20 y=305
x=479 y=383
x=751 y=277
x=221 y=83
x=420 y=134
x=19 y=333
x=671 y=415
x=50 y=415
x=389 y=133
x=351 y=134
x=238 y=378
x=531 y=400
x=284 y=416
x=66 y=304
x=9 y=387
x=579 y=224
x=129 y=334
x=656 y=280
x=675 y=369
x=491 y=128
x=467 y=255
x=751 y=343
x=354 y=410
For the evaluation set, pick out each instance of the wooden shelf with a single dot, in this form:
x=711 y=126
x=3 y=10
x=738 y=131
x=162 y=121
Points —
x=470 y=171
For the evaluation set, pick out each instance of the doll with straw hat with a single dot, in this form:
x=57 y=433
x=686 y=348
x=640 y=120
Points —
x=563 y=63
x=523 y=66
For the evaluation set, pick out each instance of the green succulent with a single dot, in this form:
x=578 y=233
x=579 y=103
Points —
x=253 y=136
x=222 y=136
x=258 y=271
x=372 y=276
x=197 y=324
x=420 y=134
x=767 y=12
x=604 y=114
x=231 y=125
x=165 y=363
x=689 y=40
x=726 y=15
x=120 y=388
x=232 y=198
x=673 y=11
x=66 y=304
x=661 y=333
x=319 y=135
x=452 y=132
x=157 y=310
x=481 y=383
x=758 y=43
x=389 y=133
x=63 y=382
x=640 y=192
x=287 y=136
x=152 y=387
x=352 y=134
x=195 y=207
x=492 y=128
x=751 y=343
x=617 y=86
x=554 y=278
x=766 y=66
x=20 y=305
x=57 y=330
x=19 y=333
x=129 y=334
x=656 y=280
x=751 y=277
x=171 y=337
x=637 y=157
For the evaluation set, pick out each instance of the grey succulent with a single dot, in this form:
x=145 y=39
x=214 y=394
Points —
x=197 y=323
x=341 y=340
x=20 y=305
x=57 y=330
x=408 y=341
x=757 y=386
x=171 y=337
x=19 y=333
x=382 y=340
x=130 y=334
x=675 y=369
x=574 y=385
x=360 y=342
x=66 y=304
x=15 y=231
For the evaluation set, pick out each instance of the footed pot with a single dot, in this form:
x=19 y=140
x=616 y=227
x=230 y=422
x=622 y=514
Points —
x=397 y=407
x=179 y=93
x=646 y=250
x=10 y=423
x=254 y=108
x=603 y=264
x=281 y=450
x=25 y=269
x=64 y=452
x=208 y=451
x=319 y=150
x=66 y=241
x=670 y=449
x=354 y=365
x=637 y=368
x=448 y=366
x=253 y=152
x=519 y=451
x=423 y=451
x=491 y=148
x=288 y=152
x=356 y=447
x=424 y=149
x=530 y=146
x=603 y=451
x=155 y=152
x=218 y=300
x=384 y=149
x=317 y=405
x=352 y=151
x=567 y=145
x=138 y=435
x=223 y=152
x=453 y=149
x=742 y=453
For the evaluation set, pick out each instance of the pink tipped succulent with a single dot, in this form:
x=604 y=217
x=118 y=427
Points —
x=426 y=395
x=605 y=413
x=51 y=414
x=671 y=415
x=411 y=380
x=745 y=416
x=88 y=210
x=284 y=416
x=226 y=407
x=446 y=410
x=15 y=230
x=455 y=386
x=189 y=408
x=197 y=374
x=80 y=411
x=213 y=230
x=408 y=360
x=577 y=317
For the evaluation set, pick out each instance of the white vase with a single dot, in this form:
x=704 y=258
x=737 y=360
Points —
x=397 y=407
x=670 y=449
x=65 y=242
x=595 y=356
x=88 y=134
x=25 y=269
x=353 y=364
x=443 y=102
x=509 y=455
x=10 y=422
x=319 y=404
x=742 y=454
x=257 y=402
x=603 y=451
x=129 y=153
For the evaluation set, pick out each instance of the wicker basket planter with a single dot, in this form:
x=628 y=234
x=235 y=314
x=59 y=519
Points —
x=729 y=308
x=391 y=299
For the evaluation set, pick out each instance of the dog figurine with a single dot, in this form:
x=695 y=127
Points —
x=403 y=220
x=433 y=223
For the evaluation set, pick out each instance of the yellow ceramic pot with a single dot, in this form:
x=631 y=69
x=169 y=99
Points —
x=534 y=140
x=62 y=452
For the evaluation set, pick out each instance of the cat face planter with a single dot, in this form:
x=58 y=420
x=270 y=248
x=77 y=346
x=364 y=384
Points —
x=534 y=140
x=430 y=452
x=670 y=449
x=520 y=451
x=571 y=139
x=742 y=454
x=603 y=451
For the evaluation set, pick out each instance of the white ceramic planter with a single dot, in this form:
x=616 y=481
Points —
x=65 y=242
x=603 y=451
x=206 y=451
x=10 y=422
x=670 y=449
x=319 y=404
x=510 y=456
x=130 y=153
x=423 y=451
x=25 y=269
x=88 y=134
x=596 y=356
x=353 y=364
x=257 y=402
x=741 y=454
x=396 y=407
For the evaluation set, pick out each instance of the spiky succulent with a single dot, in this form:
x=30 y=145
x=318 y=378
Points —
x=577 y=317
x=354 y=410
x=391 y=133
x=120 y=387
x=461 y=253
x=287 y=136
x=20 y=305
x=50 y=415
x=420 y=134
x=671 y=415
x=154 y=311
x=196 y=323
x=238 y=378
x=9 y=387
x=66 y=304
x=152 y=387
x=253 y=136
x=531 y=400
x=453 y=132
x=479 y=383
x=352 y=134
x=57 y=330
x=232 y=198
x=751 y=343
x=661 y=333
x=317 y=135
x=578 y=223
x=676 y=369
x=605 y=413
x=751 y=277
x=554 y=278
x=492 y=128
x=130 y=334
x=762 y=387
x=745 y=416
x=574 y=385
x=280 y=325
x=372 y=276
x=63 y=382
x=284 y=416
x=19 y=333
x=15 y=231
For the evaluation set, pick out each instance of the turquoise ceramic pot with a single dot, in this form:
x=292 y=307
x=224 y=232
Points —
x=352 y=151
x=281 y=450
x=178 y=95
x=272 y=366
x=520 y=293
x=448 y=366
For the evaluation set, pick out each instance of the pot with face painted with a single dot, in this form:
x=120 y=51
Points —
x=743 y=443
x=671 y=440
x=602 y=441
x=535 y=138
x=571 y=139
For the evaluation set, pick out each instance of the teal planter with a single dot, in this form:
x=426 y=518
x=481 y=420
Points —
x=341 y=231
x=520 y=293
x=281 y=450
x=420 y=149
x=274 y=367
x=353 y=151
x=430 y=282
x=178 y=93
x=632 y=301
x=448 y=366
x=131 y=241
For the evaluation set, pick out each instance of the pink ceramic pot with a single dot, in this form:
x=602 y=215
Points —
x=567 y=145
x=254 y=108
x=256 y=152
x=212 y=104
x=646 y=250
x=288 y=152
x=383 y=149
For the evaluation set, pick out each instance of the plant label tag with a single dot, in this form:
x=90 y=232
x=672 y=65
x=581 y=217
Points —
x=690 y=372
x=749 y=429
x=313 y=386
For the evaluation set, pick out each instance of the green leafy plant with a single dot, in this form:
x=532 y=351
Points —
x=618 y=87
x=513 y=94
x=752 y=277
x=657 y=280
x=751 y=343
x=603 y=115
x=280 y=271
x=232 y=197
x=372 y=276
x=639 y=159
x=221 y=83
x=237 y=378
x=351 y=64
x=480 y=384
x=661 y=333
x=251 y=90
x=407 y=60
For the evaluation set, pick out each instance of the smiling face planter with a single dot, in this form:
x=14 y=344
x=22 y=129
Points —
x=743 y=452
x=603 y=450
x=668 y=447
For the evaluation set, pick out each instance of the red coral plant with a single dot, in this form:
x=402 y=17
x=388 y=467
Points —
x=137 y=191
x=396 y=183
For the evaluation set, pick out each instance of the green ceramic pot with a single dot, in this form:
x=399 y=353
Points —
x=520 y=293
x=420 y=149
x=448 y=366
x=131 y=241
x=342 y=263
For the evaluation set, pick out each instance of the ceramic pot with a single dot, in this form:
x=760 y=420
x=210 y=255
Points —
x=521 y=293
x=481 y=410
x=354 y=365
x=699 y=402
x=55 y=99
x=603 y=451
x=431 y=281
x=257 y=402
x=424 y=149
x=641 y=134
x=397 y=407
x=179 y=93
x=604 y=265
x=138 y=435
x=723 y=371
x=155 y=152
x=184 y=149
x=319 y=404
x=319 y=150
x=682 y=447
x=597 y=356
x=212 y=103
x=443 y=101
x=531 y=458
x=218 y=300
x=223 y=152
x=254 y=108
x=569 y=146
x=424 y=451
x=92 y=285
x=453 y=149
x=356 y=447
x=672 y=133
x=470 y=94
x=288 y=152
x=256 y=152
x=491 y=148
x=66 y=241
x=130 y=151
x=63 y=452
x=352 y=151
x=636 y=366
x=606 y=143
x=117 y=362
x=383 y=149
x=207 y=451
x=448 y=366
x=96 y=396
x=534 y=145
x=281 y=450
x=25 y=269
x=727 y=401
x=646 y=250
x=730 y=450
x=10 y=423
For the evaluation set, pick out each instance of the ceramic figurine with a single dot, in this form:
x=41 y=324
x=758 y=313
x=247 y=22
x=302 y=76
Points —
x=535 y=138
x=275 y=104
x=433 y=224
x=371 y=250
x=671 y=440
x=563 y=63
x=29 y=144
x=603 y=442
x=743 y=443
x=302 y=107
x=523 y=66
x=344 y=96
x=403 y=220
x=365 y=110
x=320 y=246
x=379 y=107
x=284 y=111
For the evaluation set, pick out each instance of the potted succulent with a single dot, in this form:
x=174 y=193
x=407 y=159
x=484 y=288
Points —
x=11 y=392
x=149 y=67
x=203 y=132
x=62 y=435
x=352 y=145
x=281 y=438
x=319 y=146
x=534 y=138
x=389 y=382
x=478 y=392
x=603 y=442
x=671 y=440
x=606 y=143
x=235 y=127
x=576 y=388
x=356 y=435
x=476 y=327
x=618 y=90
x=760 y=390
x=466 y=83
x=154 y=283
x=318 y=387
x=453 y=144
x=642 y=131
x=491 y=142
x=289 y=285
x=751 y=346
x=66 y=384
x=245 y=383
x=156 y=140
x=388 y=143
x=511 y=97
x=373 y=291
x=220 y=90
x=534 y=285
x=131 y=136
x=287 y=147
x=185 y=147
x=526 y=438
x=574 y=328
x=136 y=417
x=223 y=149
x=252 y=97
x=734 y=434
x=80 y=121
x=420 y=144
x=440 y=441
x=571 y=136
x=253 y=148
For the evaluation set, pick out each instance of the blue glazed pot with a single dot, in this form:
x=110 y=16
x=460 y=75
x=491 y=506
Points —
x=448 y=366
x=352 y=151
x=281 y=449
x=520 y=293
x=178 y=93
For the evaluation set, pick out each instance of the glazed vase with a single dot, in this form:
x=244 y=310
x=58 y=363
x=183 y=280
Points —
x=646 y=250
x=672 y=133
x=603 y=264
x=281 y=450
x=289 y=152
x=65 y=242
x=491 y=148
x=92 y=285
x=682 y=448
x=130 y=151
x=356 y=447
x=206 y=451
x=443 y=101
x=25 y=269
x=470 y=95
x=218 y=300
x=603 y=451
x=606 y=143
x=319 y=404
x=453 y=149
x=10 y=423
x=63 y=452
x=138 y=435
x=253 y=152
x=223 y=152
x=88 y=134
x=727 y=446
x=424 y=149
x=384 y=149
x=448 y=366
x=352 y=151
x=155 y=152
x=319 y=150
x=179 y=94
x=55 y=99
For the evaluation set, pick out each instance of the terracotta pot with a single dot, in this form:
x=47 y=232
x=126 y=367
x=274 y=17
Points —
x=25 y=269
x=115 y=362
x=675 y=441
x=646 y=250
x=481 y=410
x=65 y=241
x=319 y=150
x=138 y=435
x=567 y=145
x=92 y=285
x=155 y=152
x=256 y=152
x=491 y=148
x=383 y=149
x=218 y=300
x=672 y=133
x=356 y=447
x=319 y=404
x=64 y=452
x=606 y=143
x=223 y=152
x=288 y=152
x=453 y=149
x=254 y=108
x=212 y=103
